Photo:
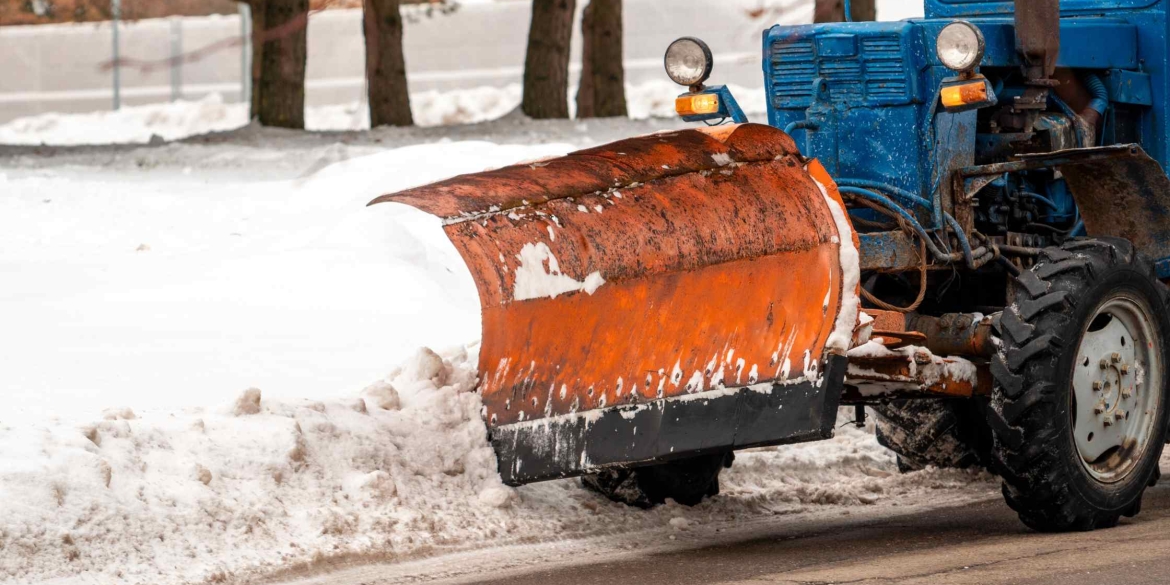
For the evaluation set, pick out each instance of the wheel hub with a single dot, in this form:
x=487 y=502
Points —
x=1111 y=382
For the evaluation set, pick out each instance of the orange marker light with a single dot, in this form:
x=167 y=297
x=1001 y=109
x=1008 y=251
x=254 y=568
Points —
x=961 y=95
x=697 y=104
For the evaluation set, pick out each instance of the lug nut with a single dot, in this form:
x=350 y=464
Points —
x=1126 y=393
x=1107 y=422
x=1116 y=357
x=1100 y=408
x=1097 y=386
x=1124 y=369
x=1104 y=364
x=1119 y=415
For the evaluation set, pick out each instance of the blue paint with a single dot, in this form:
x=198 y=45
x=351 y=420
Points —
x=1129 y=87
x=862 y=97
x=1163 y=268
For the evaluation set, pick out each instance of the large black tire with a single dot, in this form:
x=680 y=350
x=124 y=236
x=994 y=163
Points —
x=1056 y=307
x=938 y=433
x=686 y=481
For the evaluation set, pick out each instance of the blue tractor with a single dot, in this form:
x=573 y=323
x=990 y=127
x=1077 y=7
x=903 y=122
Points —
x=1023 y=145
x=961 y=222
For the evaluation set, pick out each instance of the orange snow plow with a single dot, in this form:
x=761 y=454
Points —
x=660 y=297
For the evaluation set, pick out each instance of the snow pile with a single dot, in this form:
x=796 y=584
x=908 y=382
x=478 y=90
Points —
x=401 y=469
x=207 y=491
x=177 y=120
x=188 y=396
x=291 y=286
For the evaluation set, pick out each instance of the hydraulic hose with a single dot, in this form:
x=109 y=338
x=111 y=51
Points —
x=1100 y=102
x=801 y=125
x=901 y=212
x=875 y=185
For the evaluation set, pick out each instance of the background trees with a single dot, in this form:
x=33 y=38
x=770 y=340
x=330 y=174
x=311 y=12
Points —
x=279 y=55
x=546 y=64
x=602 y=91
x=389 y=95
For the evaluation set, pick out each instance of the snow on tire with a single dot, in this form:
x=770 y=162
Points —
x=938 y=433
x=1079 y=409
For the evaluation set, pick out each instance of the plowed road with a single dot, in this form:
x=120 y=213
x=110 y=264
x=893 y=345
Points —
x=978 y=543
x=982 y=543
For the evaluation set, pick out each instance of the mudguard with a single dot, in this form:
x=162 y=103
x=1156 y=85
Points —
x=658 y=297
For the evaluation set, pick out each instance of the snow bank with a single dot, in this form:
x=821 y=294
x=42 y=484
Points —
x=220 y=492
x=161 y=290
x=192 y=495
x=173 y=121
x=193 y=384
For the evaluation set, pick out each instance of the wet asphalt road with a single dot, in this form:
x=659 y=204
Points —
x=982 y=543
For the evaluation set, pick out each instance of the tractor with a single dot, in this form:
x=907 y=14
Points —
x=960 y=222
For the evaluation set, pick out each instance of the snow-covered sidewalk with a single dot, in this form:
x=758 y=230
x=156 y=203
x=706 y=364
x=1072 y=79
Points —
x=210 y=373
x=181 y=119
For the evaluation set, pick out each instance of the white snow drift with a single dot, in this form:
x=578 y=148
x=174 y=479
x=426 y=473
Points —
x=194 y=374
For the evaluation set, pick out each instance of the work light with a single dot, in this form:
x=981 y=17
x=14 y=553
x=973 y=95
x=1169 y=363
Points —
x=960 y=46
x=689 y=61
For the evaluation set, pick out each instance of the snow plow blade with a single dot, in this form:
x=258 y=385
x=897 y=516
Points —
x=656 y=298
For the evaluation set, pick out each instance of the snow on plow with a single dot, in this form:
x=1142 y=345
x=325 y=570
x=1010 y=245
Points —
x=655 y=298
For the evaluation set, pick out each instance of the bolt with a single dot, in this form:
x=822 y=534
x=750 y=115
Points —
x=1107 y=422
x=1116 y=357
x=1124 y=369
x=1119 y=415
x=1100 y=408
x=1126 y=393
x=1097 y=386
x=1104 y=364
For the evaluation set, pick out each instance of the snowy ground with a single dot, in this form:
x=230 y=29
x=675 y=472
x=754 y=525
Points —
x=149 y=288
x=173 y=121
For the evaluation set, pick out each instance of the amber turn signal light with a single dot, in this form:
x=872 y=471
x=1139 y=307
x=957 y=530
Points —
x=957 y=96
x=697 y=104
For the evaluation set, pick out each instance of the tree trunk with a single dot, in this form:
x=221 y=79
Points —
x=280 y=49
x=546 y=68
x=585 y=108
x=386 y=64
x=834 y=10
x=602 y=93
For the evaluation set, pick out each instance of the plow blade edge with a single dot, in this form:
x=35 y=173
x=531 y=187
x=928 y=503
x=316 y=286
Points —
x=654 y=298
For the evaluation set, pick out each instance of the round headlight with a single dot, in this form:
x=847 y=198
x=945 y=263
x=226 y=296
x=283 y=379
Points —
x=960 y=46
x=688 y=61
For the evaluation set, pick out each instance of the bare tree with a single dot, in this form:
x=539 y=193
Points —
x=546 y=67
x=279 y=55
x=602 y=92
x=386 y=64
x=834 y=10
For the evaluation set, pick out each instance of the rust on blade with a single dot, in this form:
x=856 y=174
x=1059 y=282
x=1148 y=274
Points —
x=650 y=268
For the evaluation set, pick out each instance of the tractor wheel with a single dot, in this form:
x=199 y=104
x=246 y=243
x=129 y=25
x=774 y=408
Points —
x=1079 y=409
x=939 y=433
x=686 y=481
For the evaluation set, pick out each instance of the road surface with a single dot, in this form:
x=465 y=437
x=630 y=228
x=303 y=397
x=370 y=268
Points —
x=981 y=543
